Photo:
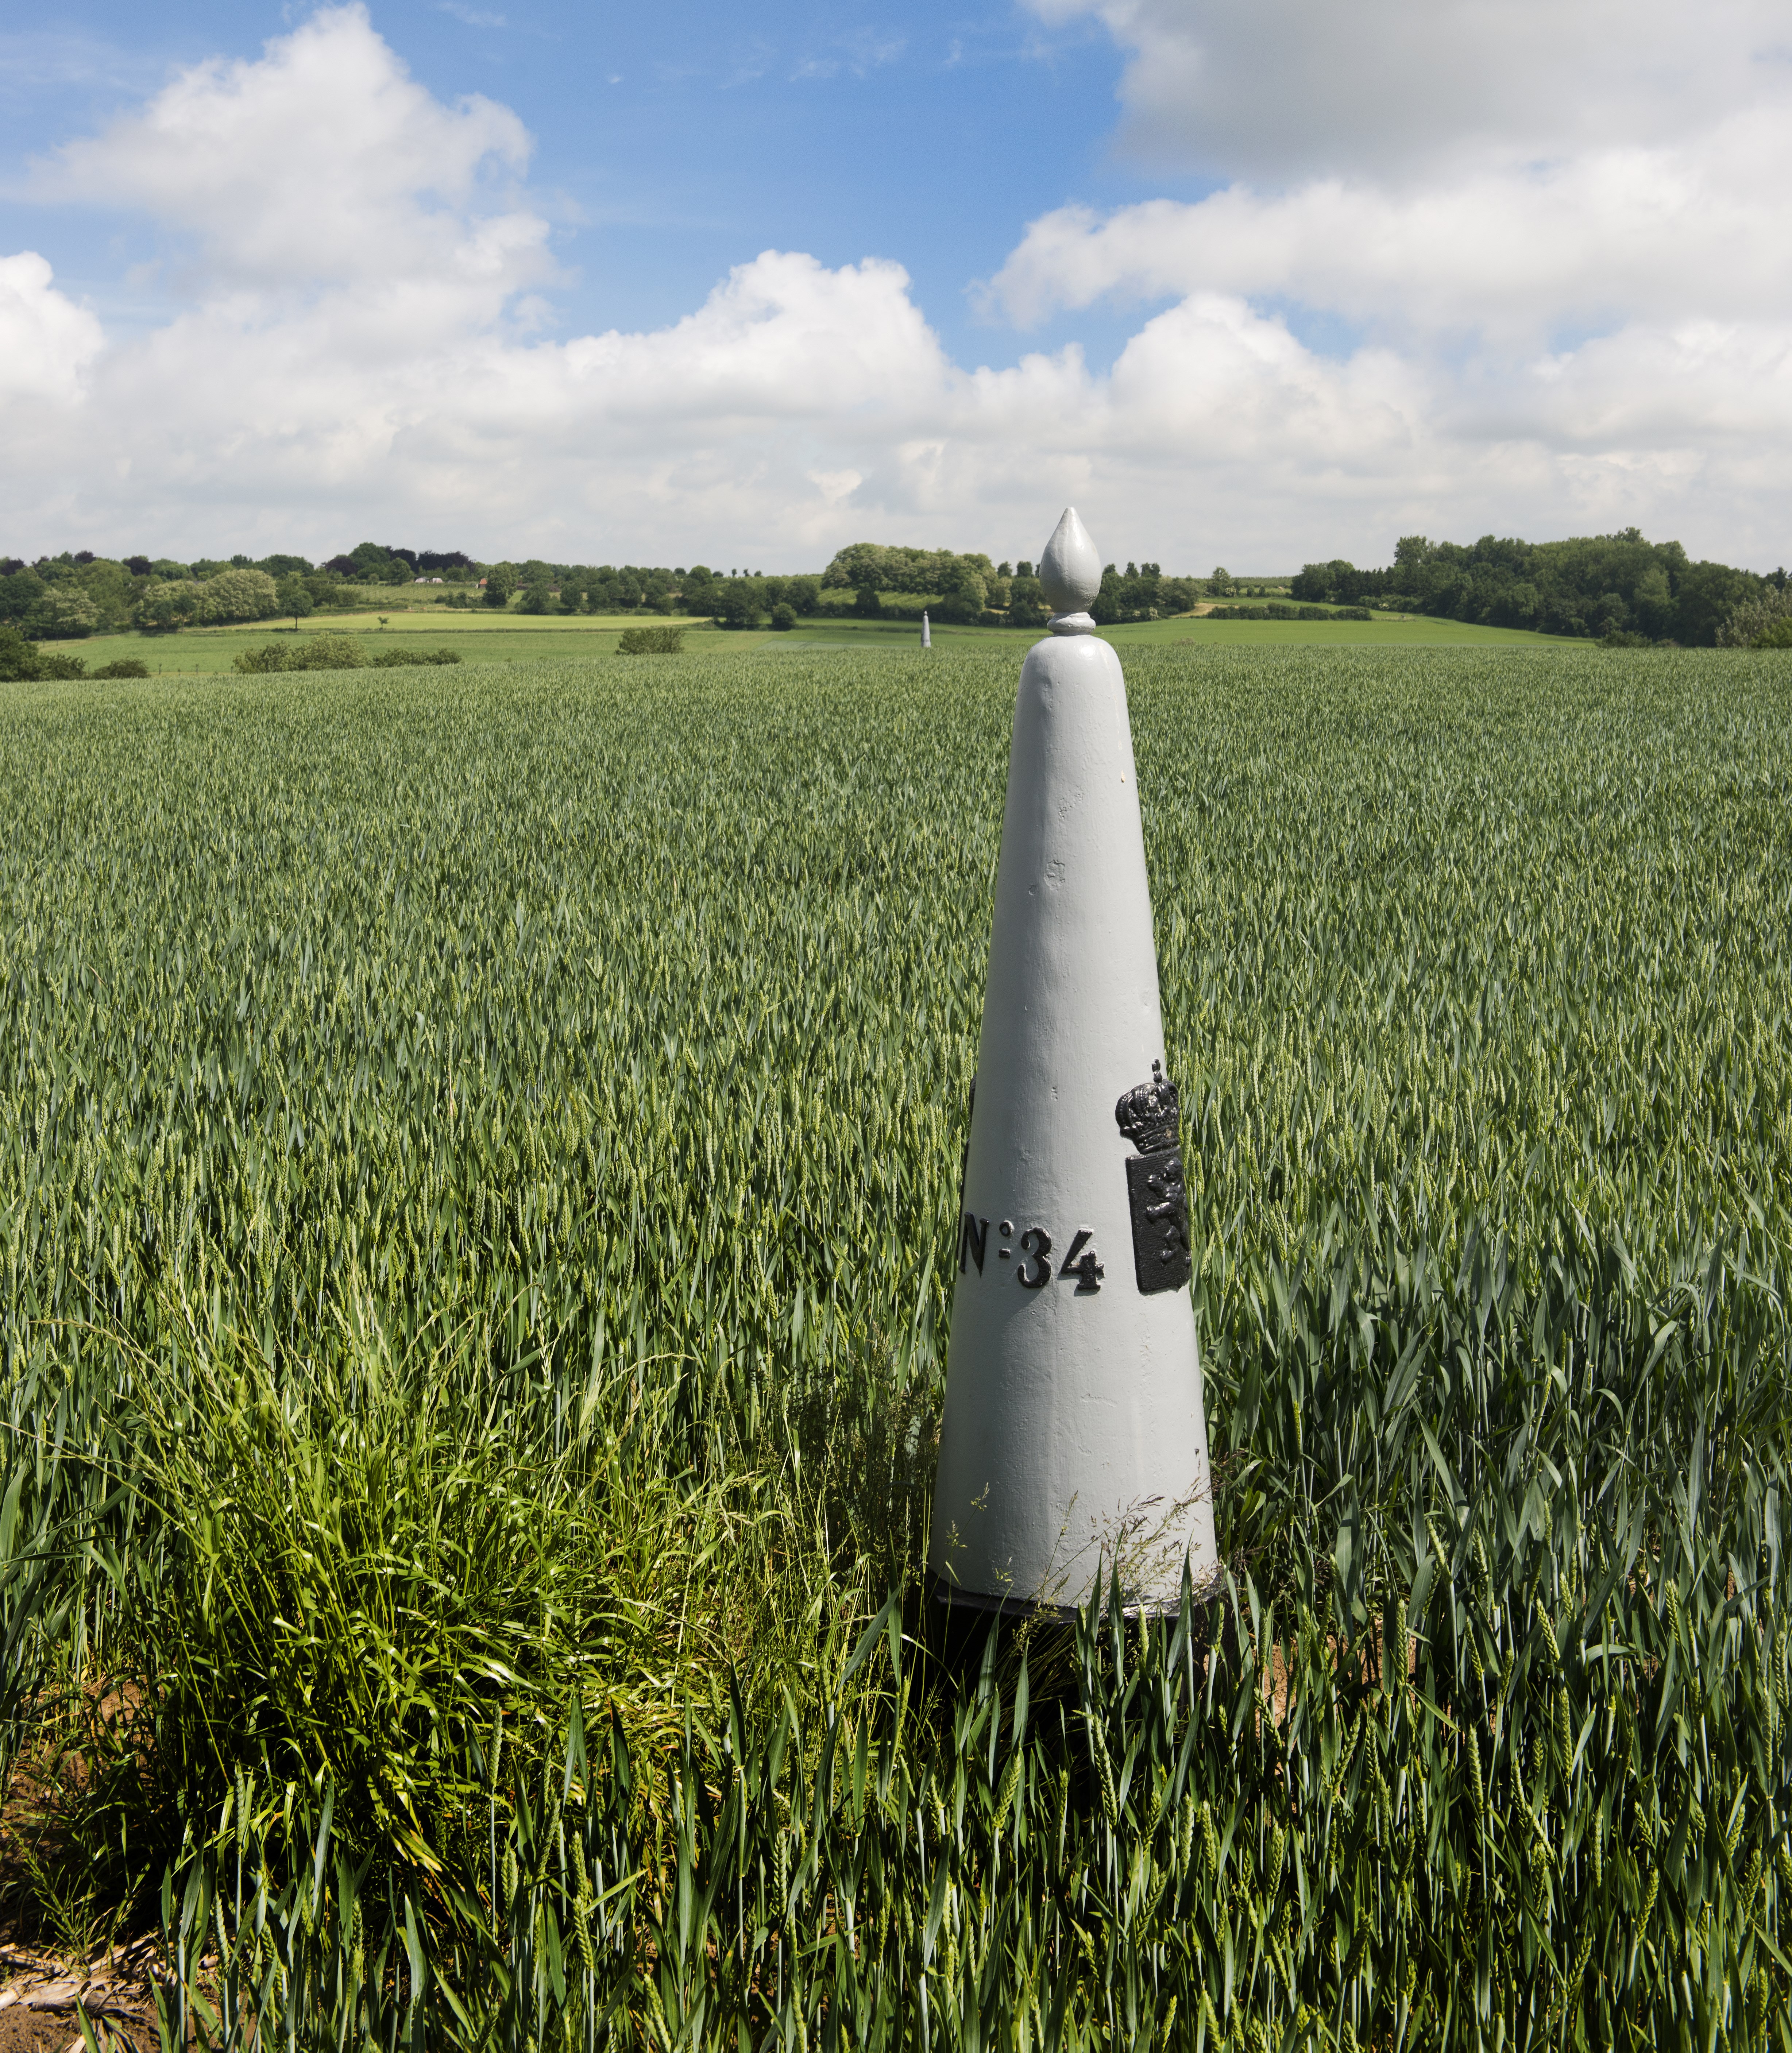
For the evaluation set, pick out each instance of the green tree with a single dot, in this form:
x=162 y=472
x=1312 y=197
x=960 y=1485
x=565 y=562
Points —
x=538 y=596
x=1411 y=554
x=238 y=595
x=64 y=613
x=376 y=564
x=21 y=591
x=784 y=616
x=963 y=590
x=1027 y=606
x=1705 y=593
x=110 y=588
x=1220 y=584
x=170 y=604
x=1651 y=600
x=500 y=583
x=22 y=660
x=739 y=603
x=856 y=566
x=866 y=605
x=18 y=657
x=1759 y=622
x=295 y=598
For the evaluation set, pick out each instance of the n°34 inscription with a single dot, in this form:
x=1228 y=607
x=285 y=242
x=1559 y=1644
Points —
x=1031 y=1254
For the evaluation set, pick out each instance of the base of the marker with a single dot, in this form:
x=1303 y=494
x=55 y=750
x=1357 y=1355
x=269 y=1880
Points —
x=975 y=1603
x=959 y=1621
x=951 y=1597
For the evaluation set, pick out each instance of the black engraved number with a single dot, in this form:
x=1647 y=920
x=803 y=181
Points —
x=1036 y=1248
x=973 y=1240
x=1084 y=1264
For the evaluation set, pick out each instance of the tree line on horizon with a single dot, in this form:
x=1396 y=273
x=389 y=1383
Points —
x=67 y=597
x=1619 y=588
x=78 y=593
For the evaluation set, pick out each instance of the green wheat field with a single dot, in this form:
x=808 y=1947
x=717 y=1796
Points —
x=478 y=1152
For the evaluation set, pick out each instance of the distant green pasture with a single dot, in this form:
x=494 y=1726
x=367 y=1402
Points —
x=1386 y=631
x=485 y=636
x=1390 y=631
x=481 y=637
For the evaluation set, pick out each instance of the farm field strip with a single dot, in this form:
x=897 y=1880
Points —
x=1433 y=947
x=512 y=637
x=478 y=1207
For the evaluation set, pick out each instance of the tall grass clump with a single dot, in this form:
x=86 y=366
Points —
x=477 y=1202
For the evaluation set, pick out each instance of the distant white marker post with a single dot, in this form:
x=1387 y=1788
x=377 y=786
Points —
x=926 y=632
x=1073 y=1435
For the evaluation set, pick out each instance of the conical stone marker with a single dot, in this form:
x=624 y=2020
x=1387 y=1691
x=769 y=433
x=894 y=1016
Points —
x=1074 y=1439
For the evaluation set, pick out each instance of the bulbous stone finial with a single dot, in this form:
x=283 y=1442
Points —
x=1070 y=573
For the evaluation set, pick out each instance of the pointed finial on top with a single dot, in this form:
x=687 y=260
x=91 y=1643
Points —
x=1070 y=572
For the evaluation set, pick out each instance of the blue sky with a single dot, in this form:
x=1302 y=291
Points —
x=672 y=142
x=1248 y=279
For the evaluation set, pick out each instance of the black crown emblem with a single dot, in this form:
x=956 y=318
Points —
x=1149 y=1114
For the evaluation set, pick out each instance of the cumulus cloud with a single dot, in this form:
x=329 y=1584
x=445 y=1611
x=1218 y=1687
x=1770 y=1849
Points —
x=1616 y=327
x=353 y=343
x=349 y=345
x=1569 y=225
x=46 y=341
x=1512 y=252
x=322 y=161
x=1274 y=90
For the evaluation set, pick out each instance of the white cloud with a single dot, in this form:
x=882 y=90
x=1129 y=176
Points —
x=1615 y=329
x=1517 y=253
x=46 y=341
x=322 y=162
x=358 y=348
x=858 y=55
x=1276 y=90
x=1568 y=225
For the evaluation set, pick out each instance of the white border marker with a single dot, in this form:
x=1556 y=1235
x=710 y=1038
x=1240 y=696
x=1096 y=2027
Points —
x=1073 y=1436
